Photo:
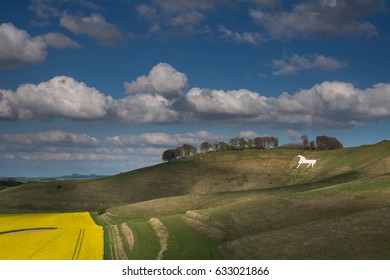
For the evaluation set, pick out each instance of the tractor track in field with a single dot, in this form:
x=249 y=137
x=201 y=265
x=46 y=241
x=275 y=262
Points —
x=79 y=243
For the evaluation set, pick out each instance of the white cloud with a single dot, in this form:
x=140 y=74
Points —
x=329 y=104
x=60 y=97
x=94 y=26
x=252 y=38
x=320 y=17
x=295 y=63
x=18 y=48
x=237 y=103
x=163 y=80
x=144 y=108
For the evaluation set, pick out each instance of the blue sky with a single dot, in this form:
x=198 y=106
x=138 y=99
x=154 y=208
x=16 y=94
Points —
x=106 y=86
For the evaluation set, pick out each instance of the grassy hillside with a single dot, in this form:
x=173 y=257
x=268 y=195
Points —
x=235 y=205
x=202 y=174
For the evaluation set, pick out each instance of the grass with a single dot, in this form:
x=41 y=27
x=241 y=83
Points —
x=187 y=243
x=146 y=245
x=240 y=204
x=362 y=235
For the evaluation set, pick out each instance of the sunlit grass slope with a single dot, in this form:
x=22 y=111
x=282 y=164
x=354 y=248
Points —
x=204 y=174
x=338 y=210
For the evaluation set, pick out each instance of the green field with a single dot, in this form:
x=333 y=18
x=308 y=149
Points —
x=251 y=204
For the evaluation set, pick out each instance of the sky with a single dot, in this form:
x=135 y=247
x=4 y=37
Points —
x=102 y=87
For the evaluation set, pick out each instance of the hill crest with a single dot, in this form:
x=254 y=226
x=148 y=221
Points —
x=217 y=172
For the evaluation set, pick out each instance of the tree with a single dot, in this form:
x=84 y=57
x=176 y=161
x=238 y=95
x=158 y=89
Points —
x=241 y=143
x=274 y=142
x=312 y=145
x=188 y=150
x=169 y=155
x=250 y=143
x=235 y=143
x=205 y=147
x=222 y=146
x=259 y=143
x=328 y=143
x=305 y=142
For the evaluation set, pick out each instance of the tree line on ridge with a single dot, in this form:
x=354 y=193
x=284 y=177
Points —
x=239 y=143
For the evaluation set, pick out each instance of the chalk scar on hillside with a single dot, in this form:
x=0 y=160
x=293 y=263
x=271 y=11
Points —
x=128 y=234
x=162 y=235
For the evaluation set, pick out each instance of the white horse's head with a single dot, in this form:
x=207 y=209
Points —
x=299 y=156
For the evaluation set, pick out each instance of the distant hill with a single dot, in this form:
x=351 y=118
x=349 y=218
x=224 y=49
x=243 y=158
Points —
x=231 y=171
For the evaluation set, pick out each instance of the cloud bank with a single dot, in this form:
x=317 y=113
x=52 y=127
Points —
x=161 y=97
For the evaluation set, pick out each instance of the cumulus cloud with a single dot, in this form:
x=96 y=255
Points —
x=160 y=97
x=252 y=38
x=329 y=104
x=17 y=48
x=144 y=108
x=60 y=97
x=295 y=63
x=94 y=26
x=226 y=104
x=163 y=80
x=320 y=17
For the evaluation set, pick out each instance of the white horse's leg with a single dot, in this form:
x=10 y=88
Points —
x=298 y=165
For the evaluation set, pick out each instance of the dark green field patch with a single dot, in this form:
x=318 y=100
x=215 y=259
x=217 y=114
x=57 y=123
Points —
x=187 y=243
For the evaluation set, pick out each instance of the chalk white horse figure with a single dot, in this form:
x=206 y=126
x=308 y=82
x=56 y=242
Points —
x=302 y=159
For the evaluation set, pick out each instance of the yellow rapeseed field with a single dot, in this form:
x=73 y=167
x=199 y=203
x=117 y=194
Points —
x=54 y=236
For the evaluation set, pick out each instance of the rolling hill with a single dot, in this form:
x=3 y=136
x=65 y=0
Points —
x=239 y=204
